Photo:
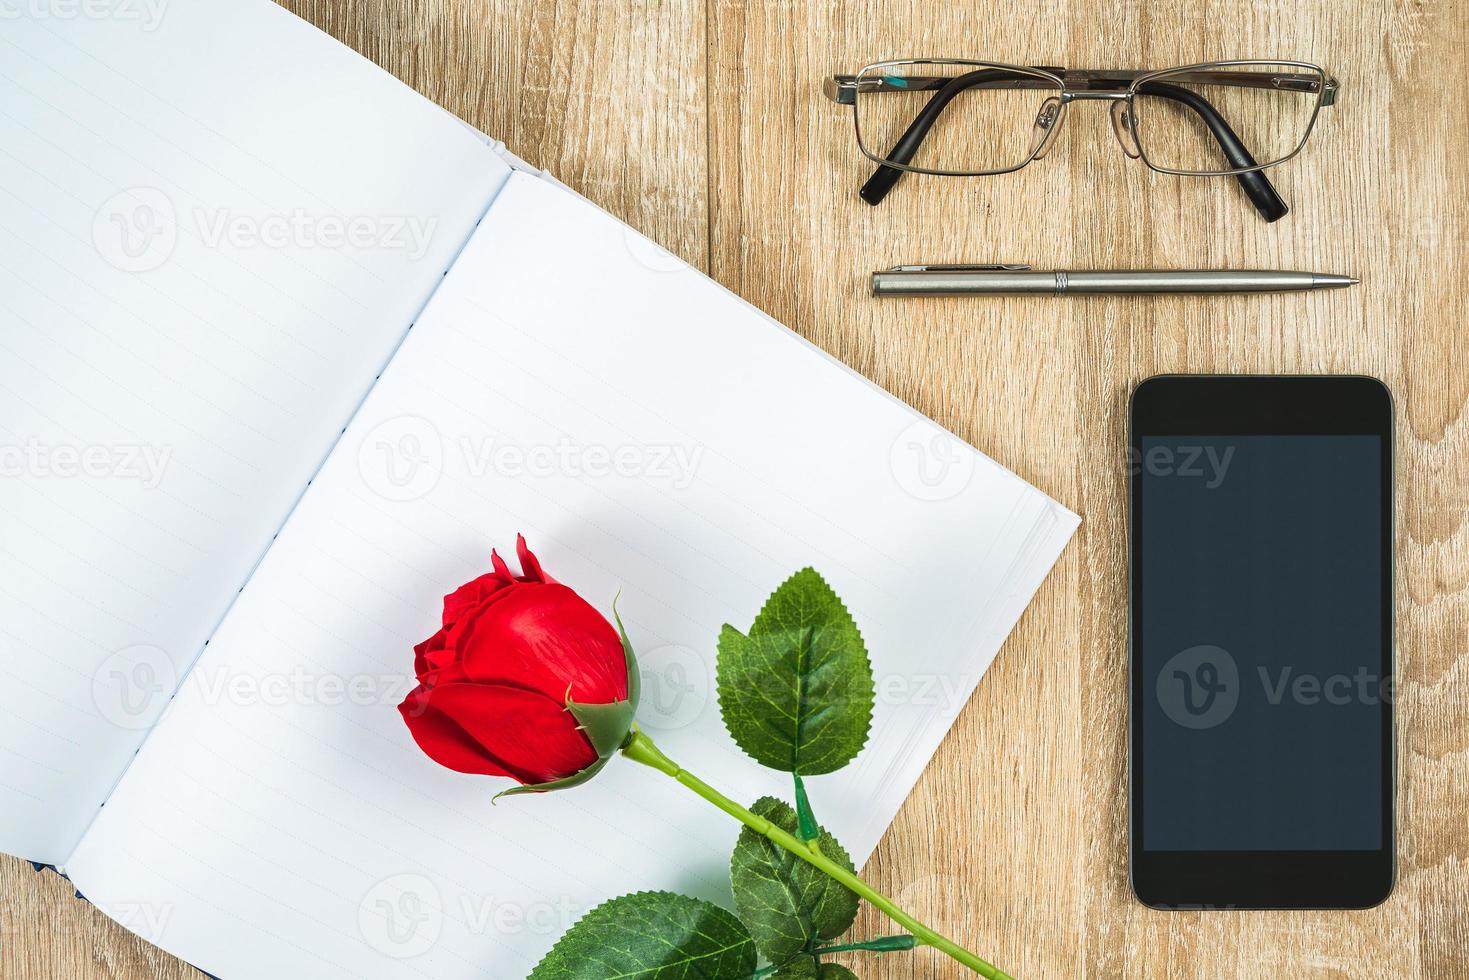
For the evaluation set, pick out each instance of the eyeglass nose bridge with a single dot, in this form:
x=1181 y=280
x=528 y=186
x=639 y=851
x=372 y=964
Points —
x=1124 y=122
x=1094 y=95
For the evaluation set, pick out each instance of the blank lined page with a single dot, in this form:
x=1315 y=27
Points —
x=217 y=225
x=650 y=434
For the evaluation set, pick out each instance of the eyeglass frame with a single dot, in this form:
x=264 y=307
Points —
x=1095 y=84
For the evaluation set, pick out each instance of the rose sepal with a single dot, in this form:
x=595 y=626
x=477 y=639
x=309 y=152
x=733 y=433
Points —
x=555 y=784
x=606 y=726
x=634 y=676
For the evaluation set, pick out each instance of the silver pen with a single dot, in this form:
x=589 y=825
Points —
x=1022 y=280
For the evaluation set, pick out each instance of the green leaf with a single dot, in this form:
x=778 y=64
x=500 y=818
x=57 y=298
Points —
x=807 y=968
x=651 y=936
x=787 y=904
x=797 y=692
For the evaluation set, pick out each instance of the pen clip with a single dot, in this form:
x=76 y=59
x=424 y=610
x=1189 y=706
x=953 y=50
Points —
x=962 y=267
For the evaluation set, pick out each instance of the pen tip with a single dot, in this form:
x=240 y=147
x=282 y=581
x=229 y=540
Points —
x=1332 y=282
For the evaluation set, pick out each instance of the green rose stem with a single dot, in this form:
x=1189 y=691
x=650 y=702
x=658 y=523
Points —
x=640 y=748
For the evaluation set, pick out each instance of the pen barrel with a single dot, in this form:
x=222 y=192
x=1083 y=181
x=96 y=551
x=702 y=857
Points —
x=1181 y=281
x=1016 y=282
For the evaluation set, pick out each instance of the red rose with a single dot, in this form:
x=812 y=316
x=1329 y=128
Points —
x=525 y=680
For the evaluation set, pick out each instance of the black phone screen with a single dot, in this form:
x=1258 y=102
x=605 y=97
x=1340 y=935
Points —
x=1261 y=638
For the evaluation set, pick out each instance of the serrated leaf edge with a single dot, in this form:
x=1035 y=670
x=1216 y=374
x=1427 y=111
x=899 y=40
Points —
x=603 y=909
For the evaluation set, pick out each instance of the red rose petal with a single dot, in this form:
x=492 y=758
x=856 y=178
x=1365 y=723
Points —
x=468 y=597
x=496 y=730
x=432 y=654
x=544 y=638
x=530 y=566
x=442 y=740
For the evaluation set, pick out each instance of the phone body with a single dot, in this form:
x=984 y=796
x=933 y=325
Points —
x=1261 y=744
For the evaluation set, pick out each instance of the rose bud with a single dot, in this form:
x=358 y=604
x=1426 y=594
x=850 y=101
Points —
x=525 y=680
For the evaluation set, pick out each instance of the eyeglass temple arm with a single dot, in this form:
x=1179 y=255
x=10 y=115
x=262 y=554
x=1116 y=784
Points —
x=1256 y=185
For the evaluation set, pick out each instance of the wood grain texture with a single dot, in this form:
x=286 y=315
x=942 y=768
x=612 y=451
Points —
x=701 y=123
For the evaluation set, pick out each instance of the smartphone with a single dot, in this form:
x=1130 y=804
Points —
x=1261 y=642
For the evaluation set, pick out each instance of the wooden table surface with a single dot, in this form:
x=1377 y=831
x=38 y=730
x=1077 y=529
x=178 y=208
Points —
x=702 y=124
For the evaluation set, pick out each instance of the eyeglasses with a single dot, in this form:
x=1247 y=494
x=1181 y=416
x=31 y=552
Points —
x=978 y=118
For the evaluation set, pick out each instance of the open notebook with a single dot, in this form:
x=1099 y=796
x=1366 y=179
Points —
x=284 y=351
